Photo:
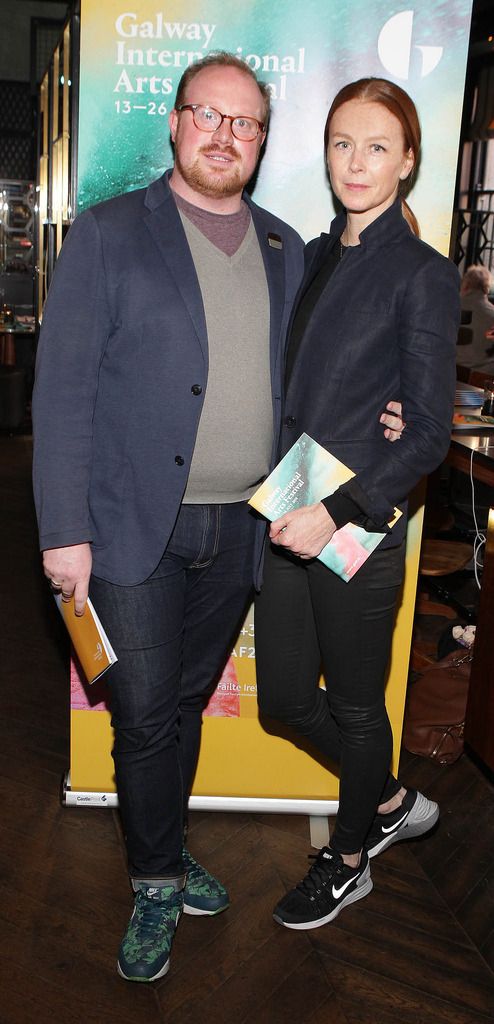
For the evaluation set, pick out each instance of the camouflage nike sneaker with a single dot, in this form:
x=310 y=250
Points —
x=144 y=954
x=203 y=894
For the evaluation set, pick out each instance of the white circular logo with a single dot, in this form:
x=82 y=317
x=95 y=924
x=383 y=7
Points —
x=395 y=45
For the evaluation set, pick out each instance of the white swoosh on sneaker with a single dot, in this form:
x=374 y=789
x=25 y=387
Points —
x=396 y=824
x=339 y=892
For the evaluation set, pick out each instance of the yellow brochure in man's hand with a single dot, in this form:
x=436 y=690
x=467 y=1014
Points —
x=89 y=639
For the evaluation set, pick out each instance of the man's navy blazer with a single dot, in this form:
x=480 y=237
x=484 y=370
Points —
x=122 y=372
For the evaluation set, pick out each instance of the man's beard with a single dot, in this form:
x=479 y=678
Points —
x=206 y=181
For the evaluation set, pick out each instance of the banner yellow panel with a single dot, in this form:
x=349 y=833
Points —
x=239 y=758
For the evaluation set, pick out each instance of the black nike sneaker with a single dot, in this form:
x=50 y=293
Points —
x=415 y=816
x=329 y=886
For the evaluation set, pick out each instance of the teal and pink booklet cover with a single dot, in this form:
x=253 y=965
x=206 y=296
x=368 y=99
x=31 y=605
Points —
x=307 y=473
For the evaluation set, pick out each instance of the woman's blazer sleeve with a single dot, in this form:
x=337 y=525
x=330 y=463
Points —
x=426 y=336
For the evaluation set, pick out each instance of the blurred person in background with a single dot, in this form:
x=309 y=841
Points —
x=478 y=354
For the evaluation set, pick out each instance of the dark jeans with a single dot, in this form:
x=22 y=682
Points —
x=172 y=635
x=306 y=615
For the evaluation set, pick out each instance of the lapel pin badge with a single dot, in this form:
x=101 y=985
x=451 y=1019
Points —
x=275 y=241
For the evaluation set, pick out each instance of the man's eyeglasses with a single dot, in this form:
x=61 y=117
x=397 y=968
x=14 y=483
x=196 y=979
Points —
x=207 y=119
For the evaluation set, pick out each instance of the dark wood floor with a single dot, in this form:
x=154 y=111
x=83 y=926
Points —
x=418 y=950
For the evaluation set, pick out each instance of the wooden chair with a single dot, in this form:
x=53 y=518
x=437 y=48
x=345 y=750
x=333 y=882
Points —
x=438 y=558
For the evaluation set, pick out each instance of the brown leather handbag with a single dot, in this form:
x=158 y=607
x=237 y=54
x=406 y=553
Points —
x=435 y=709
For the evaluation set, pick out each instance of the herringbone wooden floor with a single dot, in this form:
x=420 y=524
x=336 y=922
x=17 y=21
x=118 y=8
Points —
x=418 y=950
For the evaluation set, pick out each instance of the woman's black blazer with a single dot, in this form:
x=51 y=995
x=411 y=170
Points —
x=385 y=327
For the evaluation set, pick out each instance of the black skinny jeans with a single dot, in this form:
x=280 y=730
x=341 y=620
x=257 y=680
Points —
x=305 y=615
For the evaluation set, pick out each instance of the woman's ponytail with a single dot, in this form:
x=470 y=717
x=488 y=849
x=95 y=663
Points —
x=410 y=217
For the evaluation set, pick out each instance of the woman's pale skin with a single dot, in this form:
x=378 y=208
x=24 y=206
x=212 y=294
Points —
x=367 y=159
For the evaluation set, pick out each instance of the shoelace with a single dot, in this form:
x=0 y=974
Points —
x=151 y=915
x=192 y=868
x=322 y=871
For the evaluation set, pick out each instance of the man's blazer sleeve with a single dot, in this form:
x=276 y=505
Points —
x=76 y=326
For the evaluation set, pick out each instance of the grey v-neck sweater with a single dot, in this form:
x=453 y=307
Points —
x=234 y=440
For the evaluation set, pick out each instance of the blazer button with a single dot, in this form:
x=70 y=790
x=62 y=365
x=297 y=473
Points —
x=196 y=389
x=179 y=460
x=290 y=421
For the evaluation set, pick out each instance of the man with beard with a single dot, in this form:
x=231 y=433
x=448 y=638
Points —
x=157 y=402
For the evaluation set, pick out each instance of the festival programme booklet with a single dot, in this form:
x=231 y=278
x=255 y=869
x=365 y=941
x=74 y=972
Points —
x=89 y=639
x=462 y=421
x=307 y=473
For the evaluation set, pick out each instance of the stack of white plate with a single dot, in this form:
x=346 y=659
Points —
x=467 y=395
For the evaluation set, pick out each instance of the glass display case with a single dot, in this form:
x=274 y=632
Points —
x=57 y=141
x=17 y=213
x=17 y=200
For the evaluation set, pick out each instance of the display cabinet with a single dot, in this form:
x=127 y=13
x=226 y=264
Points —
x=57 y=143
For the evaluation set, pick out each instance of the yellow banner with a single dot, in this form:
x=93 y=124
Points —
x=239 y=759
x=131 y=61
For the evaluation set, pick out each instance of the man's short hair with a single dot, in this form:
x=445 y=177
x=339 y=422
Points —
x=476 y=279
x=223 y=59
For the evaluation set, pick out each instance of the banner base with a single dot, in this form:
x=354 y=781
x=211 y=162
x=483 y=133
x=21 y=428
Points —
x=85 y=798
x=268 y=805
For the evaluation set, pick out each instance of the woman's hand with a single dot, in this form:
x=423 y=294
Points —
x=305 y=531
x=393 y=421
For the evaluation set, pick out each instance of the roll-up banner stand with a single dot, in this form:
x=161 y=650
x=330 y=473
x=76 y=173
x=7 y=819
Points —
x=132 y=56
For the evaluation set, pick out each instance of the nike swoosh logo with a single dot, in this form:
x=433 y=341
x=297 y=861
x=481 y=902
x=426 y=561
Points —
x=339 y=892
x=396 y=824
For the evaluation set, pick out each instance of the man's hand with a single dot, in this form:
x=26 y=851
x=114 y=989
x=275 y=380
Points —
x=305 y=531
x=68 y=569
x=393 y=421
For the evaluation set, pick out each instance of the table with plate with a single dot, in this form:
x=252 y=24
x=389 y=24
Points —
x=472 y=452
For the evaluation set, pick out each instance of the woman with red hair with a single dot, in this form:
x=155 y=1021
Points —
x=376 y=318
